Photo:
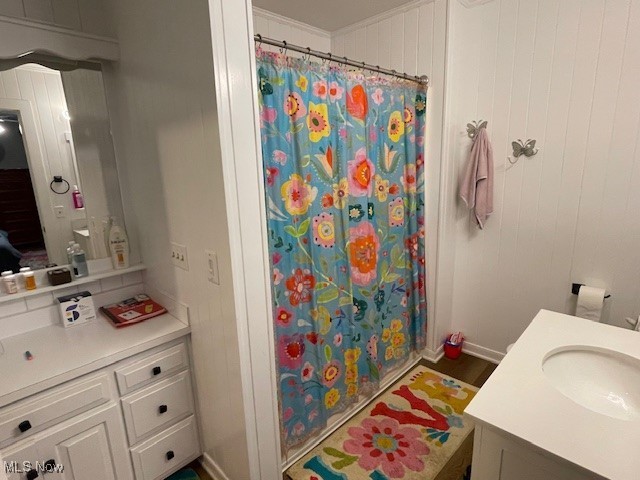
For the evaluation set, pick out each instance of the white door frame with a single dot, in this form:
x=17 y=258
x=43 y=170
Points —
x=37 y=169
x=239 y=129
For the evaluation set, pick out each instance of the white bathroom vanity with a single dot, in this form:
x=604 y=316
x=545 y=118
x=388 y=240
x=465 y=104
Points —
x=564 y=404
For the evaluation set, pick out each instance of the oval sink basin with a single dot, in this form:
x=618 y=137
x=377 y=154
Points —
x=601 y=380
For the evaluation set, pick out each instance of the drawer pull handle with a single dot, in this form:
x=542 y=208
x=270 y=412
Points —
x=170 y=454
x=24 y=426
x=157 y=370
x=31 y=474
x=162 y=409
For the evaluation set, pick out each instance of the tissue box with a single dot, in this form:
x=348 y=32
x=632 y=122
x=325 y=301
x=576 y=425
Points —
x=76 y=308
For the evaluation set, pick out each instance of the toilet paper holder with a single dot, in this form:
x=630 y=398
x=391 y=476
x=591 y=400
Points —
x=575 y=289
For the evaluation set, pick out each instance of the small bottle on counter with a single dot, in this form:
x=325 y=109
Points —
x=4 y=274
x=21 y=277
x=10 y=283
x=70 y=251
x=29 y=280
x=79 y=262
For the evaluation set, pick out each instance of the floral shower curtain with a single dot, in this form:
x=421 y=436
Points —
x=345 y=195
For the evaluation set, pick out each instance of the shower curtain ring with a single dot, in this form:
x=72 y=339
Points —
x=308 y=54
x=259 y=40
x=330 y=58
x=283 y=50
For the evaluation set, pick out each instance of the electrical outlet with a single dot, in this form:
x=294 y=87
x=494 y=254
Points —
x=179 y=256
x=212 y=267
x=59 y=211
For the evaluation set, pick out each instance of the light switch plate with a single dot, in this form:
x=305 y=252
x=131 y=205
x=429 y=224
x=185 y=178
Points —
x=59 y=211
x=179 y=256
x=212 y=267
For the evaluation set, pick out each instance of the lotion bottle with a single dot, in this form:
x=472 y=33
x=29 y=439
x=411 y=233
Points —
x=118 y=246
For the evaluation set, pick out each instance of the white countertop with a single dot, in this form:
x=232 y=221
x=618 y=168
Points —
x=60 y=354
x=520 y=400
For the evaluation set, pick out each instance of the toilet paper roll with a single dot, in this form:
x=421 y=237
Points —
x=590 y=303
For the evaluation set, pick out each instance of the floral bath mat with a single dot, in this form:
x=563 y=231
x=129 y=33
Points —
x=415 y=430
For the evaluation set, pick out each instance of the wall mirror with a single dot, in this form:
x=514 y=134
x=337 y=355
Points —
x=58 y=174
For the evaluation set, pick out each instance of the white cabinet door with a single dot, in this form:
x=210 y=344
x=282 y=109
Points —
x=496 y=457
x=17 y=460
x=91 y=446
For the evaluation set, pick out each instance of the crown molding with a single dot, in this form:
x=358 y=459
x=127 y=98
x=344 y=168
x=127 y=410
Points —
x=289 y=21
x=381 y=16
x=19 y=37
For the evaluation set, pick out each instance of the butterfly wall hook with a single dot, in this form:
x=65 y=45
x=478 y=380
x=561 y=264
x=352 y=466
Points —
x=474 y=127
x=524 y=148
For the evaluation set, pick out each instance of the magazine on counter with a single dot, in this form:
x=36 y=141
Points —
x=132 y=310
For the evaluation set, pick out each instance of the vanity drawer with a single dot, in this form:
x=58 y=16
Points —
x=149 y=410
x=26 y=417
x=159 y=455
x=152 y=367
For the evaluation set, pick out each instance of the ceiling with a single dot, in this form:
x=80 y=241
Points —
x=329 y=15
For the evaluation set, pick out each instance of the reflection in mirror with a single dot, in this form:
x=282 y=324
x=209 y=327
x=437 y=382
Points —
x=19 y=219
x=58 y=176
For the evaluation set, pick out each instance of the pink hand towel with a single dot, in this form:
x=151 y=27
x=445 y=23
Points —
x=476 y=187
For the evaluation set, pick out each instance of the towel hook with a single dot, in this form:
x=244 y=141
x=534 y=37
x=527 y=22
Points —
x=474 y=128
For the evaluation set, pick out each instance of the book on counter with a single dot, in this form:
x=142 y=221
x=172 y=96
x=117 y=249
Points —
x=132 y=310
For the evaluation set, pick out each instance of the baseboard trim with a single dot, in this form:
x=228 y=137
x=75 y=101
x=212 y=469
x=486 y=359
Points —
x=484 y=353
x=212 y=468
x=433 y=356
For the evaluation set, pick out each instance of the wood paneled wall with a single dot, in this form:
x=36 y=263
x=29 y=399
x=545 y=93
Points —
x=88 y=16
x=280 y=28
x=563 y=72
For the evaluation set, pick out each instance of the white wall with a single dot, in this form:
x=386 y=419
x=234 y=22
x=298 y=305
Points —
x=42 y=87
x=566 y=74
x=161 y=96
x=411 y=39
x=278 y=27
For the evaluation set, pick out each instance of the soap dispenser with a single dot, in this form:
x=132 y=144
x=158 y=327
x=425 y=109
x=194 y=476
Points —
x=78 y=199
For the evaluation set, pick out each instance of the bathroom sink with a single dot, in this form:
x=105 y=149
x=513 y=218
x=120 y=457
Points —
x=604 y=381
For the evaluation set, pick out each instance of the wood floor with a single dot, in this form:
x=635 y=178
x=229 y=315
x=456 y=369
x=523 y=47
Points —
x=466 y=368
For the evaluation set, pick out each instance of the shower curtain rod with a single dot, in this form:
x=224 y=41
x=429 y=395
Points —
x=423 y=80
